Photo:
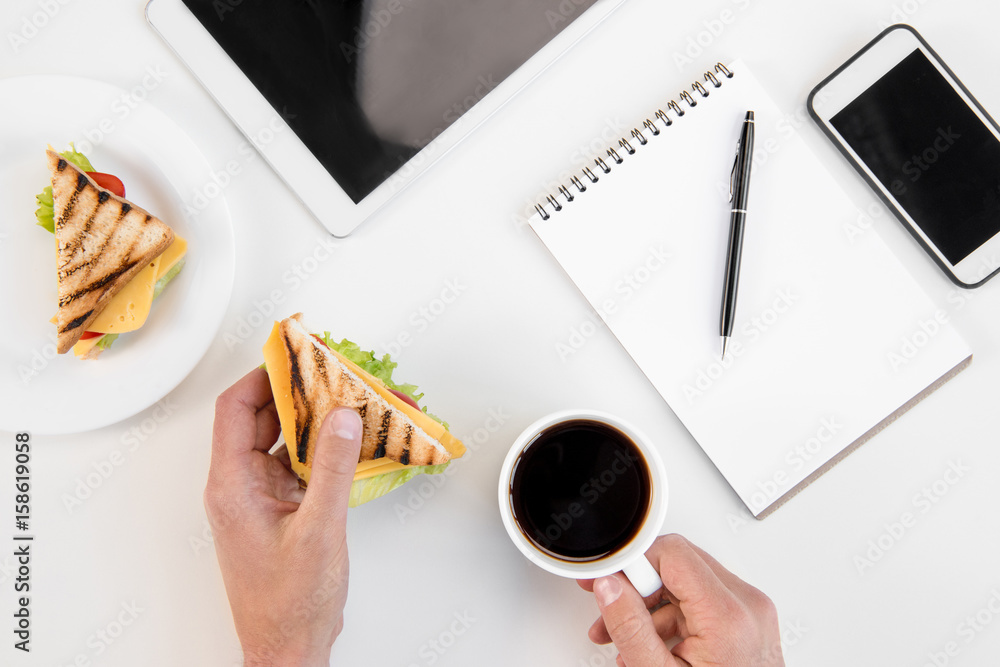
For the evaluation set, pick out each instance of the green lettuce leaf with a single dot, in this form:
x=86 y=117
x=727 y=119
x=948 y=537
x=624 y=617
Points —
x=371 y=488
x=45 y=214
x=106 y=340
x=380 y=368
x=170 y=275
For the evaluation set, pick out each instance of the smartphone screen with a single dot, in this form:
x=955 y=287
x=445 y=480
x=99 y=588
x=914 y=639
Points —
x=931 y=152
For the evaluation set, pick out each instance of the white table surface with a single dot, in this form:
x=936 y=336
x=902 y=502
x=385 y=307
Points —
x=140 y=541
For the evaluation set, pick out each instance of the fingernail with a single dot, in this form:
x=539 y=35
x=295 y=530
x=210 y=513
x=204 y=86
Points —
x=607 y=590
x=345 y=423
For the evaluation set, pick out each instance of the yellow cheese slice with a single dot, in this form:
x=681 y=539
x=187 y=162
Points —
x=376 y=463
x=83 y=347
x=281 y=387
x=128 y=310
x=173 y=254
x=387 y=467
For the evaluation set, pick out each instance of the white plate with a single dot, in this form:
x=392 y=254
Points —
x=162 y=169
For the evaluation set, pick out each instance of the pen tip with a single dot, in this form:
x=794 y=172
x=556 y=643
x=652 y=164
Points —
x=750 y=115
x=725 y=341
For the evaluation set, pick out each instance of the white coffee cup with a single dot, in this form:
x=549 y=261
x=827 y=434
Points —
x=629 y=557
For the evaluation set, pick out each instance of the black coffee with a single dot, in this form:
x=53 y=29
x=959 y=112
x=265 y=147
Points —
x=580 y=490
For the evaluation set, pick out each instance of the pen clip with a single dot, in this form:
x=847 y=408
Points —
x=732 y=175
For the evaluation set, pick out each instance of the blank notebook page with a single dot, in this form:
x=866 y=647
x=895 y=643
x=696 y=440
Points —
x=832 y=336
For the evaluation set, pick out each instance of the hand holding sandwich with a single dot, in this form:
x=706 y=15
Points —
x=282 y=550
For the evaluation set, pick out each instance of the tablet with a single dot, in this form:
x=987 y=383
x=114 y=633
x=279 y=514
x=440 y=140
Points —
x=350 y=102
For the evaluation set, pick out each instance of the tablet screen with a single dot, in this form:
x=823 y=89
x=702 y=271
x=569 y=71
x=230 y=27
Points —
x=365 y=85
x=931 y=151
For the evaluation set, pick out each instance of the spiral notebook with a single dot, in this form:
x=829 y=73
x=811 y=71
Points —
x=833 y=338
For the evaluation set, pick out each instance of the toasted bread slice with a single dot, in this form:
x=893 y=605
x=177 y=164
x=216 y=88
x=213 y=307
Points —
x=321 y=381
x=102 y=242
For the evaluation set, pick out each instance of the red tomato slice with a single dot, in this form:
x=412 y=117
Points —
x=87 y=335
x=111 y=183
x=406 y=399
x=321 y=341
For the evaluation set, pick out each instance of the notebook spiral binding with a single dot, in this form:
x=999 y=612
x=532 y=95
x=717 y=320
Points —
x=625 y=144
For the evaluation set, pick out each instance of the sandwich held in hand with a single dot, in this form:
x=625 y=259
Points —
x=112 y=257
x=311 y=375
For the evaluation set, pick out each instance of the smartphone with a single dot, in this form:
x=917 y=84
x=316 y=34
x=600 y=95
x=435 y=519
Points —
x=924 y=144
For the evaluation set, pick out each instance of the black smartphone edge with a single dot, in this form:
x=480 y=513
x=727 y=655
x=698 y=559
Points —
x=872 y=183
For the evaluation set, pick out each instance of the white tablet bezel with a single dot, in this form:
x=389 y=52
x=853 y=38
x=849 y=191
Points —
x=286 y=153
x=845 y=85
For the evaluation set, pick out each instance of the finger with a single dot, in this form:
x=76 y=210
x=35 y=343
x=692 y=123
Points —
x=235 y=431
x=333 y=466
x=284 y=482
x=668 y=621
x=598 y=633
x=629 y=624
x=729 y=579
x=268 y=428
x=687 y=576
x=282 y=455
x=661 y=596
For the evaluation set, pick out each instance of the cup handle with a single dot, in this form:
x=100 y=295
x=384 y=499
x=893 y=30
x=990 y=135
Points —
x=643 y=576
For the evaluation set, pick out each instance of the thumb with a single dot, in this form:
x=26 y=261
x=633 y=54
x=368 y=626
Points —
x=629 y=623
x=334 y=462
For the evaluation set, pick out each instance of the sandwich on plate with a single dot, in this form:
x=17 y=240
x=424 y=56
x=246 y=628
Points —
x=112 y=257
x=311 y=374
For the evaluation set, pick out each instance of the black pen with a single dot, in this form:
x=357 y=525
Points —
x=739 y=190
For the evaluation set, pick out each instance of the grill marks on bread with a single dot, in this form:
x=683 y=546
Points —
x=102 y=242
x=321 y=382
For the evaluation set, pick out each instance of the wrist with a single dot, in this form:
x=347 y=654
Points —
x=285 y=656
